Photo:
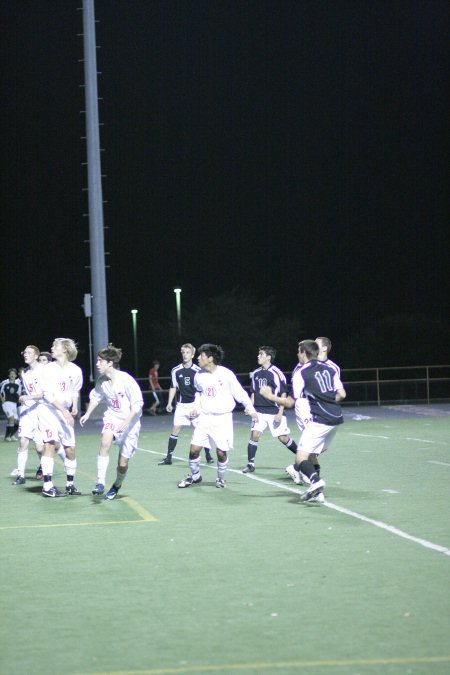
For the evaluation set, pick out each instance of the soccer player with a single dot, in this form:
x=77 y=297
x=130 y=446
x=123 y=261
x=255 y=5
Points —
x=316 y=393
x=182 y=381
x=30 y=402
x=9 y=395
x=121 y=420
x=217 y=391
x=269 y=414
x=324 y=344
x=45 y=357
x=61 y=382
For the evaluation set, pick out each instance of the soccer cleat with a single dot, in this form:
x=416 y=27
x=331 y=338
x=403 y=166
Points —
x=313 y=490
x=99 y=489
x=8 y=439
x=189 y=480
x=112 y=493
x=165 y=461
x=53 y=492
x=72 y=490
x=39 y=473
x=20 y=480
x=220 y=483
x=294 y=474
x=209 y=459
x=249 y=468
x=14 y=438
x=304 y=480
x=319 y=498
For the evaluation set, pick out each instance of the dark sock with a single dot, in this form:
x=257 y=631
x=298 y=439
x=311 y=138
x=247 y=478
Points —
x=251 y=451
x=171 y=445
x=307 y=468
x=292 y=446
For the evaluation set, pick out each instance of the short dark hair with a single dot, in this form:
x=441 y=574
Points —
x=110 y=353
x=270 y=351
x=326 y=343
x=310 y=348
x=215 y=351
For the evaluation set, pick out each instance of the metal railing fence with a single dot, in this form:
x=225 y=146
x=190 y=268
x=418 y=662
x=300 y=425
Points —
x=372 y=386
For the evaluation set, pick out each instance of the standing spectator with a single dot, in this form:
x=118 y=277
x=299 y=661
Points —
x=217 y=391
x=316 y=393
x=182 y=381
x=45 y=357
x=121 y=420
x=61 y=382
x=155 y=387
x=9 y=395
x=269 y=414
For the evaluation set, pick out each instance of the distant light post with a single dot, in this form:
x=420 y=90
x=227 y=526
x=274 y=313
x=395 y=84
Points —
x=177 y=292
x=134 y=313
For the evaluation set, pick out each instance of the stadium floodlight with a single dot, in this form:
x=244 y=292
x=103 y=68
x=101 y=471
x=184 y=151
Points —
x=177 y=292
x=134 y=313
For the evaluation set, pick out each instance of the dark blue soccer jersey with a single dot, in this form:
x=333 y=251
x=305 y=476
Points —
x=183 y=379
x=272 y=377
x=317 y=383
x=11 y=391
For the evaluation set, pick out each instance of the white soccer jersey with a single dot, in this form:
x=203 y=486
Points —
x=218 y=391
x=31 y=381
x=120 y=395
x=61 y=383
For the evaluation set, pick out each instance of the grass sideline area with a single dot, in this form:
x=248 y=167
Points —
x=241 y=580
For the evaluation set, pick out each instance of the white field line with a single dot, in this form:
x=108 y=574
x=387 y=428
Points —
x=421 y=440
x=353 y=514
x=432 y=461
x=385 y=438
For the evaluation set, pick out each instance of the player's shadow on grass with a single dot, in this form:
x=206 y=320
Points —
x=35 y=489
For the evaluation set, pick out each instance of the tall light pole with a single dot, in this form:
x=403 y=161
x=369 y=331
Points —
x=177 y=292
x=134 y=313
x=94 y=175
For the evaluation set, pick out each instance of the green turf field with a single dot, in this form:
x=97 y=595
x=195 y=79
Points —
x=241 y=580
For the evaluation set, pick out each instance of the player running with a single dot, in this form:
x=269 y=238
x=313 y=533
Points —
x=121 y=420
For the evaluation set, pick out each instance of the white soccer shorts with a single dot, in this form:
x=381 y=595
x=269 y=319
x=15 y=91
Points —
x=265 y=420
x=54 y=427
x=214 y=429
x=182 y=416
x=316 y=437
x=128 y=440
x=10 y=409
x=29 y=425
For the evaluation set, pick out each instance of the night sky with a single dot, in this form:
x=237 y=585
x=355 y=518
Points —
x=295 y=149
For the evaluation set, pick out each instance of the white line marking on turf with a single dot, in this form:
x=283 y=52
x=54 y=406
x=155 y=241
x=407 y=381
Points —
x=431 y=461
x=330 y=505
x=385 y=438
x=421 y=440
x=391 y=492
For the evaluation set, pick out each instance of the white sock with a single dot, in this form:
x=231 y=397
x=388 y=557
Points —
x=194 y=465
x=22 y=456
x=222 y=468
x=47 y=464
x=70 y=466
x=102 y=467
